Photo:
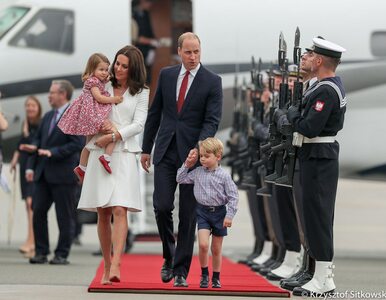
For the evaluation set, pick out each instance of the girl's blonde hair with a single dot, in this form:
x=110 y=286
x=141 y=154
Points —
x=93 y=63
x=212 y=145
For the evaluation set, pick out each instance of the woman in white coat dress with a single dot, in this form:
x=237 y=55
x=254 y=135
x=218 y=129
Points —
x=114 y=194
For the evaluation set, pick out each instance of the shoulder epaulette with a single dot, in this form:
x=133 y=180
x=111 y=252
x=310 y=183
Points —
x=342 y=99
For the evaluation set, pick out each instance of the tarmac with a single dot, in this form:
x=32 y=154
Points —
x=360 y=250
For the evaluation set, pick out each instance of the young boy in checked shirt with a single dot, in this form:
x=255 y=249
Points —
x=217 y=199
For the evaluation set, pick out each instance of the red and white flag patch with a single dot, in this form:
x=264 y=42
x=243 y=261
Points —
x=319 y=105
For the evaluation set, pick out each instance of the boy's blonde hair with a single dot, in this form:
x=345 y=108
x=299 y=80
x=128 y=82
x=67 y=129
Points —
x=93 y=63
x=212 y=145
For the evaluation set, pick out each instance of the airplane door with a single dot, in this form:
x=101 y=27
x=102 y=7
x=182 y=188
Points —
x=169 y=19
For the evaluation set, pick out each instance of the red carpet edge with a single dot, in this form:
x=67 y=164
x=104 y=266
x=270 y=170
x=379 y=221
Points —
x=141 y=274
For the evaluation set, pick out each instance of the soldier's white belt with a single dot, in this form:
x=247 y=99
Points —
x=299 y=139
x=319 y=139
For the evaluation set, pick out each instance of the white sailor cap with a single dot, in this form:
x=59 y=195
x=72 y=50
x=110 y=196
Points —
x=327 y=48
x=293 y=70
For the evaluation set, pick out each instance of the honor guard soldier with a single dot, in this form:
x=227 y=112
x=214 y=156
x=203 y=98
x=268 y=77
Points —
x=306 y=270
x=287 y=216
x=321 y=118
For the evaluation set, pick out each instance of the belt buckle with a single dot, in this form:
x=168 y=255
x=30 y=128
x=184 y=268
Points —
x=212 y=208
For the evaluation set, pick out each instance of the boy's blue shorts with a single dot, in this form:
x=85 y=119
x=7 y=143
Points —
x=212 y=218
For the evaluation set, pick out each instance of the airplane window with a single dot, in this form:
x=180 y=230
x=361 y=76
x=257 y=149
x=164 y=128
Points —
x=49 y=29
x=378 y=43
x=9 y=17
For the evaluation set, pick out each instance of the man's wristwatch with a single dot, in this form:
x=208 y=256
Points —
x=113 y=137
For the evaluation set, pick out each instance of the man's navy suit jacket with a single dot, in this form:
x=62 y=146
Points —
x=65 y=149
x=198 y=119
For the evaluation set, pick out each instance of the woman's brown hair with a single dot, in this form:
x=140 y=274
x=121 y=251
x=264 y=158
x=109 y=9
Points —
x=137 y=71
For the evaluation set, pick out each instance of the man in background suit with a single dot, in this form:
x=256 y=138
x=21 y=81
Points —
x=186 y=109
x=56 y=155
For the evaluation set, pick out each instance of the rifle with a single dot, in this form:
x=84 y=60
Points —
x=258 y=106
x=288 y=130
x=236 y=123
x=265 y=164
x=277 y=150
x=236 y=108
x=239 y=142
x=256 y=117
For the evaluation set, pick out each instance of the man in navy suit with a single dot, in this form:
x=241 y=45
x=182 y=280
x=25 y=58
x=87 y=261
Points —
x=51 y=167
x=186 y=109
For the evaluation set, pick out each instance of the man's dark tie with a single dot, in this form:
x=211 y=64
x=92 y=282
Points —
x=181 y=94
x=53 y=122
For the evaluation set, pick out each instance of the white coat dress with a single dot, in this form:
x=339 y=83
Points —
x=121 y=188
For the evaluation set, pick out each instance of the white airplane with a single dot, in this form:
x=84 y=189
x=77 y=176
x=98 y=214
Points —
x=45 y=40
x=42 y=40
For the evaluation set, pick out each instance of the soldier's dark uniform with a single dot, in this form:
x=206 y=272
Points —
x=283 y=200
x=323 y=116
x=270 y=208
x=305 y=273
x=321 y=119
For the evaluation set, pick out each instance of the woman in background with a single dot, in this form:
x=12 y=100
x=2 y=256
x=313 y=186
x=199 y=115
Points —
x=33 y=111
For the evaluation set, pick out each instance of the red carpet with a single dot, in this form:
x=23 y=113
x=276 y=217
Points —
x=141 y=274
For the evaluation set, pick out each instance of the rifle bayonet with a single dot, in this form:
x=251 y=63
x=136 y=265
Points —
x=297 y=50
x=253 y=71
x=297 y=37
x=282 y=50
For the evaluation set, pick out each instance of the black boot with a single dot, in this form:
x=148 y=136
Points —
x=258 y=247
x=271 y=260
x=278 y=261
x=305 y=277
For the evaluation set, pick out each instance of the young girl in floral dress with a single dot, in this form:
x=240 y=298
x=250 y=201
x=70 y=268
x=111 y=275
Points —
x=87 y=112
